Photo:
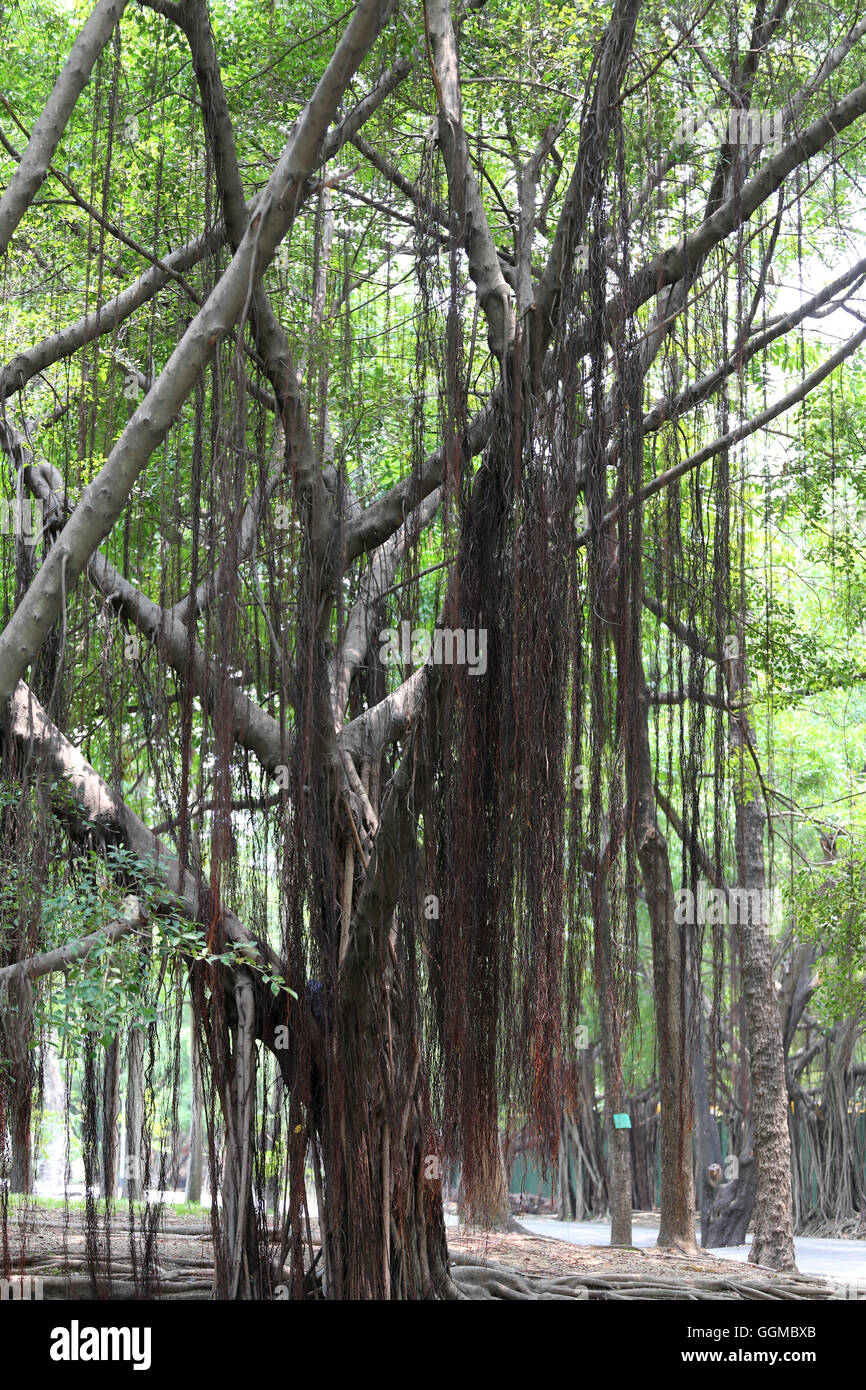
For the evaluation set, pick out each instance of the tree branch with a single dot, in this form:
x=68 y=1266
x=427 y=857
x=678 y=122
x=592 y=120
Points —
x=48 y=130
x=736 y=435
x=106 y=496
x=49 y=961
x=467 y=209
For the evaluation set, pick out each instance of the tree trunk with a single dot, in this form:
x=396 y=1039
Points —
x=192 y=1191
x=488 y=1206
x=732 y=1206
x=619 y=1181
x=110 y=1099
x=677 y=1220
x=709 y=1144
x=16 y=1079
x=403 y=1227
x=383 y=1225
x=773 y=1219
x=566 y=1206
x=21 y=1165
x=134 y=1175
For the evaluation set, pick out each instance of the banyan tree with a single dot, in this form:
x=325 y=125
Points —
x=398 y=392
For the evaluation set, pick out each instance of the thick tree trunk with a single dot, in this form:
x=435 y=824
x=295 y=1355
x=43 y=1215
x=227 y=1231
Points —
x=773 y=1218
x=383 y=1224
x=230 y=1023
x=732 y=1207
x=391 y=1244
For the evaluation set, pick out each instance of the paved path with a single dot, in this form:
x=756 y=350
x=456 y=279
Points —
x=844 y=1261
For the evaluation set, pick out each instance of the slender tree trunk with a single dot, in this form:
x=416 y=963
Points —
x=709 y=1144
x=16 y=1078
x=773 y=1243
x=677 y=1221
x=110 y=1106
x=134 y=1175
x=566 y=1195
x=21 y=1167
x=193 y=1172
x=619 y=1180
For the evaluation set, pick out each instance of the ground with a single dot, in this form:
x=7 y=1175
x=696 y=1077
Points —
x=535 y=1254
x=530 y=1264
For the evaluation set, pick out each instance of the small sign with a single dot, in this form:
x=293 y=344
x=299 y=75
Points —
x=622 y=1121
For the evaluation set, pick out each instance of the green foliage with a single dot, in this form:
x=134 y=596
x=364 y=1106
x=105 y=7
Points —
x=829 y=903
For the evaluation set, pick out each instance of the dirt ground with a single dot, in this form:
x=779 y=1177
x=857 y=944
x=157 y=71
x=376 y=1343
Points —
x=185 y=1255
x=538 y=1255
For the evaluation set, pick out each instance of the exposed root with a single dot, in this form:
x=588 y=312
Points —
x=486 y=1279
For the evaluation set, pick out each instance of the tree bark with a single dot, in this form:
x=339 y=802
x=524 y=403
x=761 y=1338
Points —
x=773 y=1243
x=677 y=1220
x=618 y=1140
x=391 y=1245
x=16 y=1081
x=21 y=1165
x=134 y=1174
x=732 y=1206
x=194 y=1171
x=709 y=1144
x=110 y=1099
